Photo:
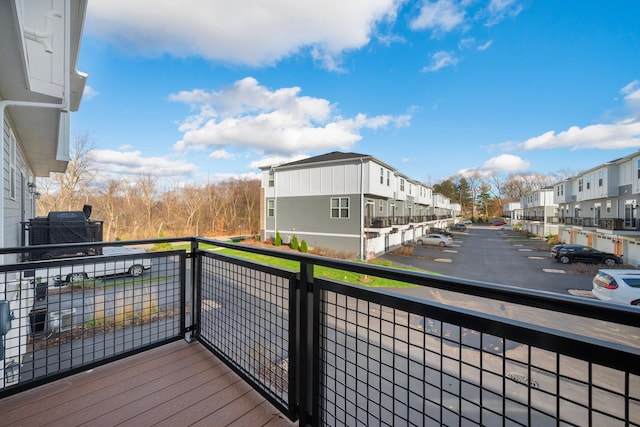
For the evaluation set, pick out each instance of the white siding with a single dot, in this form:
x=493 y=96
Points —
x=316 y=181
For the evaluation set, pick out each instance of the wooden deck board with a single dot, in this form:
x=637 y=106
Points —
x=178 y=384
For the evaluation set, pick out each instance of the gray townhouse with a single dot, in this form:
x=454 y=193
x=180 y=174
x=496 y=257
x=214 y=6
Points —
x=600 y=208
x=348 y=202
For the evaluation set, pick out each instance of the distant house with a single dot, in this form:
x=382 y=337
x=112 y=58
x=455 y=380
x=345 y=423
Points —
x=538 y=211
x=39 y=87
x=349 y=202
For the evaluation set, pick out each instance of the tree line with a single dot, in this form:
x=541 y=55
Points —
x=139 y=209
x=484 y=196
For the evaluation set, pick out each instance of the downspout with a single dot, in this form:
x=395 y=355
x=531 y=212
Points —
x=362 y=210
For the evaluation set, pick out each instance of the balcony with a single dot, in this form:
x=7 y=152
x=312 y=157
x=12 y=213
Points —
x=207 y=337
x=619 y=224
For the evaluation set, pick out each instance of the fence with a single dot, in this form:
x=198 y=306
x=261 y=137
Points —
x=330 y=353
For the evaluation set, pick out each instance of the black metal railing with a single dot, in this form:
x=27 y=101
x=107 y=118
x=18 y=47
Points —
x=70 y=314
x=331 y=353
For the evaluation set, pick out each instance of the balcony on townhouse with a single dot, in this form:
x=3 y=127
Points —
x=209 y=337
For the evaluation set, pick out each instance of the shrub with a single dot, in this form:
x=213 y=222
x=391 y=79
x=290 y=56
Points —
x=278 y=241
x=294 y=243
x=303 y=246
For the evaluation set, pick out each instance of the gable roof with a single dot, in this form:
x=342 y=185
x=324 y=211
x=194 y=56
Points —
x=332 y=157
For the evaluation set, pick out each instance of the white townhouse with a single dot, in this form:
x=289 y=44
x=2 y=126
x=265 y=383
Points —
x=39 y=88
x=538 y=210
x=512 y=211
x=348 y=202
x=600 y=208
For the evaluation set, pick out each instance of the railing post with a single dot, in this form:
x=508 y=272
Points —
x=194 y=299
x=307 y=349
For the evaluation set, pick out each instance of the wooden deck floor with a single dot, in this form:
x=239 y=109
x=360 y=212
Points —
x=180 y=384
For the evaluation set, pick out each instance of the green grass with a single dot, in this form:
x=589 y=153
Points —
x=319 y=271
x=327 y=272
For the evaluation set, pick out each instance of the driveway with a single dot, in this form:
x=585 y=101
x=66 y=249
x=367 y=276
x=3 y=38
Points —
x=486 y=254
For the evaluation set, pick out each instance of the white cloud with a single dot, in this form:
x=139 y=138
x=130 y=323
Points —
x=89 y=93
x=500 y=10
x=506 y=162
x=440 y=16
x=623 y=134
x=486 y=45
x=252 y=32
x=440 y=60
x=275 y=161
x=249 y=115
x=133 y=163
x=221 y=155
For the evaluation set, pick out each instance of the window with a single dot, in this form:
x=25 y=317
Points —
x=13 y=169
x=580 y=184
x=401 y=184
x=388 y=178
x=381 y=176
x=272 y=177
x=381 y=209
x=638 y=168
x=588 y=182
x=339 y=207
x=271 y=208
x=600 y=178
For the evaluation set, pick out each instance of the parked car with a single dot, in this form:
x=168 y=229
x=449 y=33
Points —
x=556 y=248
x=498 y=223
x=580 y=253
x=435 y=239
x=458 y=227
x=618 y=286
x=95 y=267
x=441 y=231
x=467 y=221
x=507 y=227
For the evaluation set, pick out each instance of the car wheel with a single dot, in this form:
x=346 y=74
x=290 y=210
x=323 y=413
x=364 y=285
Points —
x=136 y=270
x=76 y=277
x=441 y=244
x=609 y=262
x=419 y=242
x=564 y=259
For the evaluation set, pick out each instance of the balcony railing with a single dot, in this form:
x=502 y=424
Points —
x=602 y=223
x=331 y=353
x=389 y=221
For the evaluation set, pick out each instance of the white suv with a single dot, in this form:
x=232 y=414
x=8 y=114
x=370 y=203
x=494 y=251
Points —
x=618 y=286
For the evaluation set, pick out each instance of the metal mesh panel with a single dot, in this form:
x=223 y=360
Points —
x=384 y=366
x=103 y=312
x=245 y=319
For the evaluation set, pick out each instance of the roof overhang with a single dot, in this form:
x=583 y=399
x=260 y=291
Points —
x=43 y=133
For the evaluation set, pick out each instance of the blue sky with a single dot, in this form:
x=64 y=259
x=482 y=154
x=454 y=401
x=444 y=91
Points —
x=199 y=90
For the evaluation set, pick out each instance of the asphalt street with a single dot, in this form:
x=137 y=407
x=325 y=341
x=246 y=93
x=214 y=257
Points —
x=487 y=254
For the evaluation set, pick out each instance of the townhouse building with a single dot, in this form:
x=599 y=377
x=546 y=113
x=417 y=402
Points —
x=600 y=208
x=512 y=213
x=348 y=202
x=39 y=88
x=538 y=210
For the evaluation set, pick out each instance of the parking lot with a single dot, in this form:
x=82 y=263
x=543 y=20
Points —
x=487 y=254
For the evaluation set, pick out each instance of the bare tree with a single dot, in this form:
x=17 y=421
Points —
x=109 y=203
x=73 y=185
